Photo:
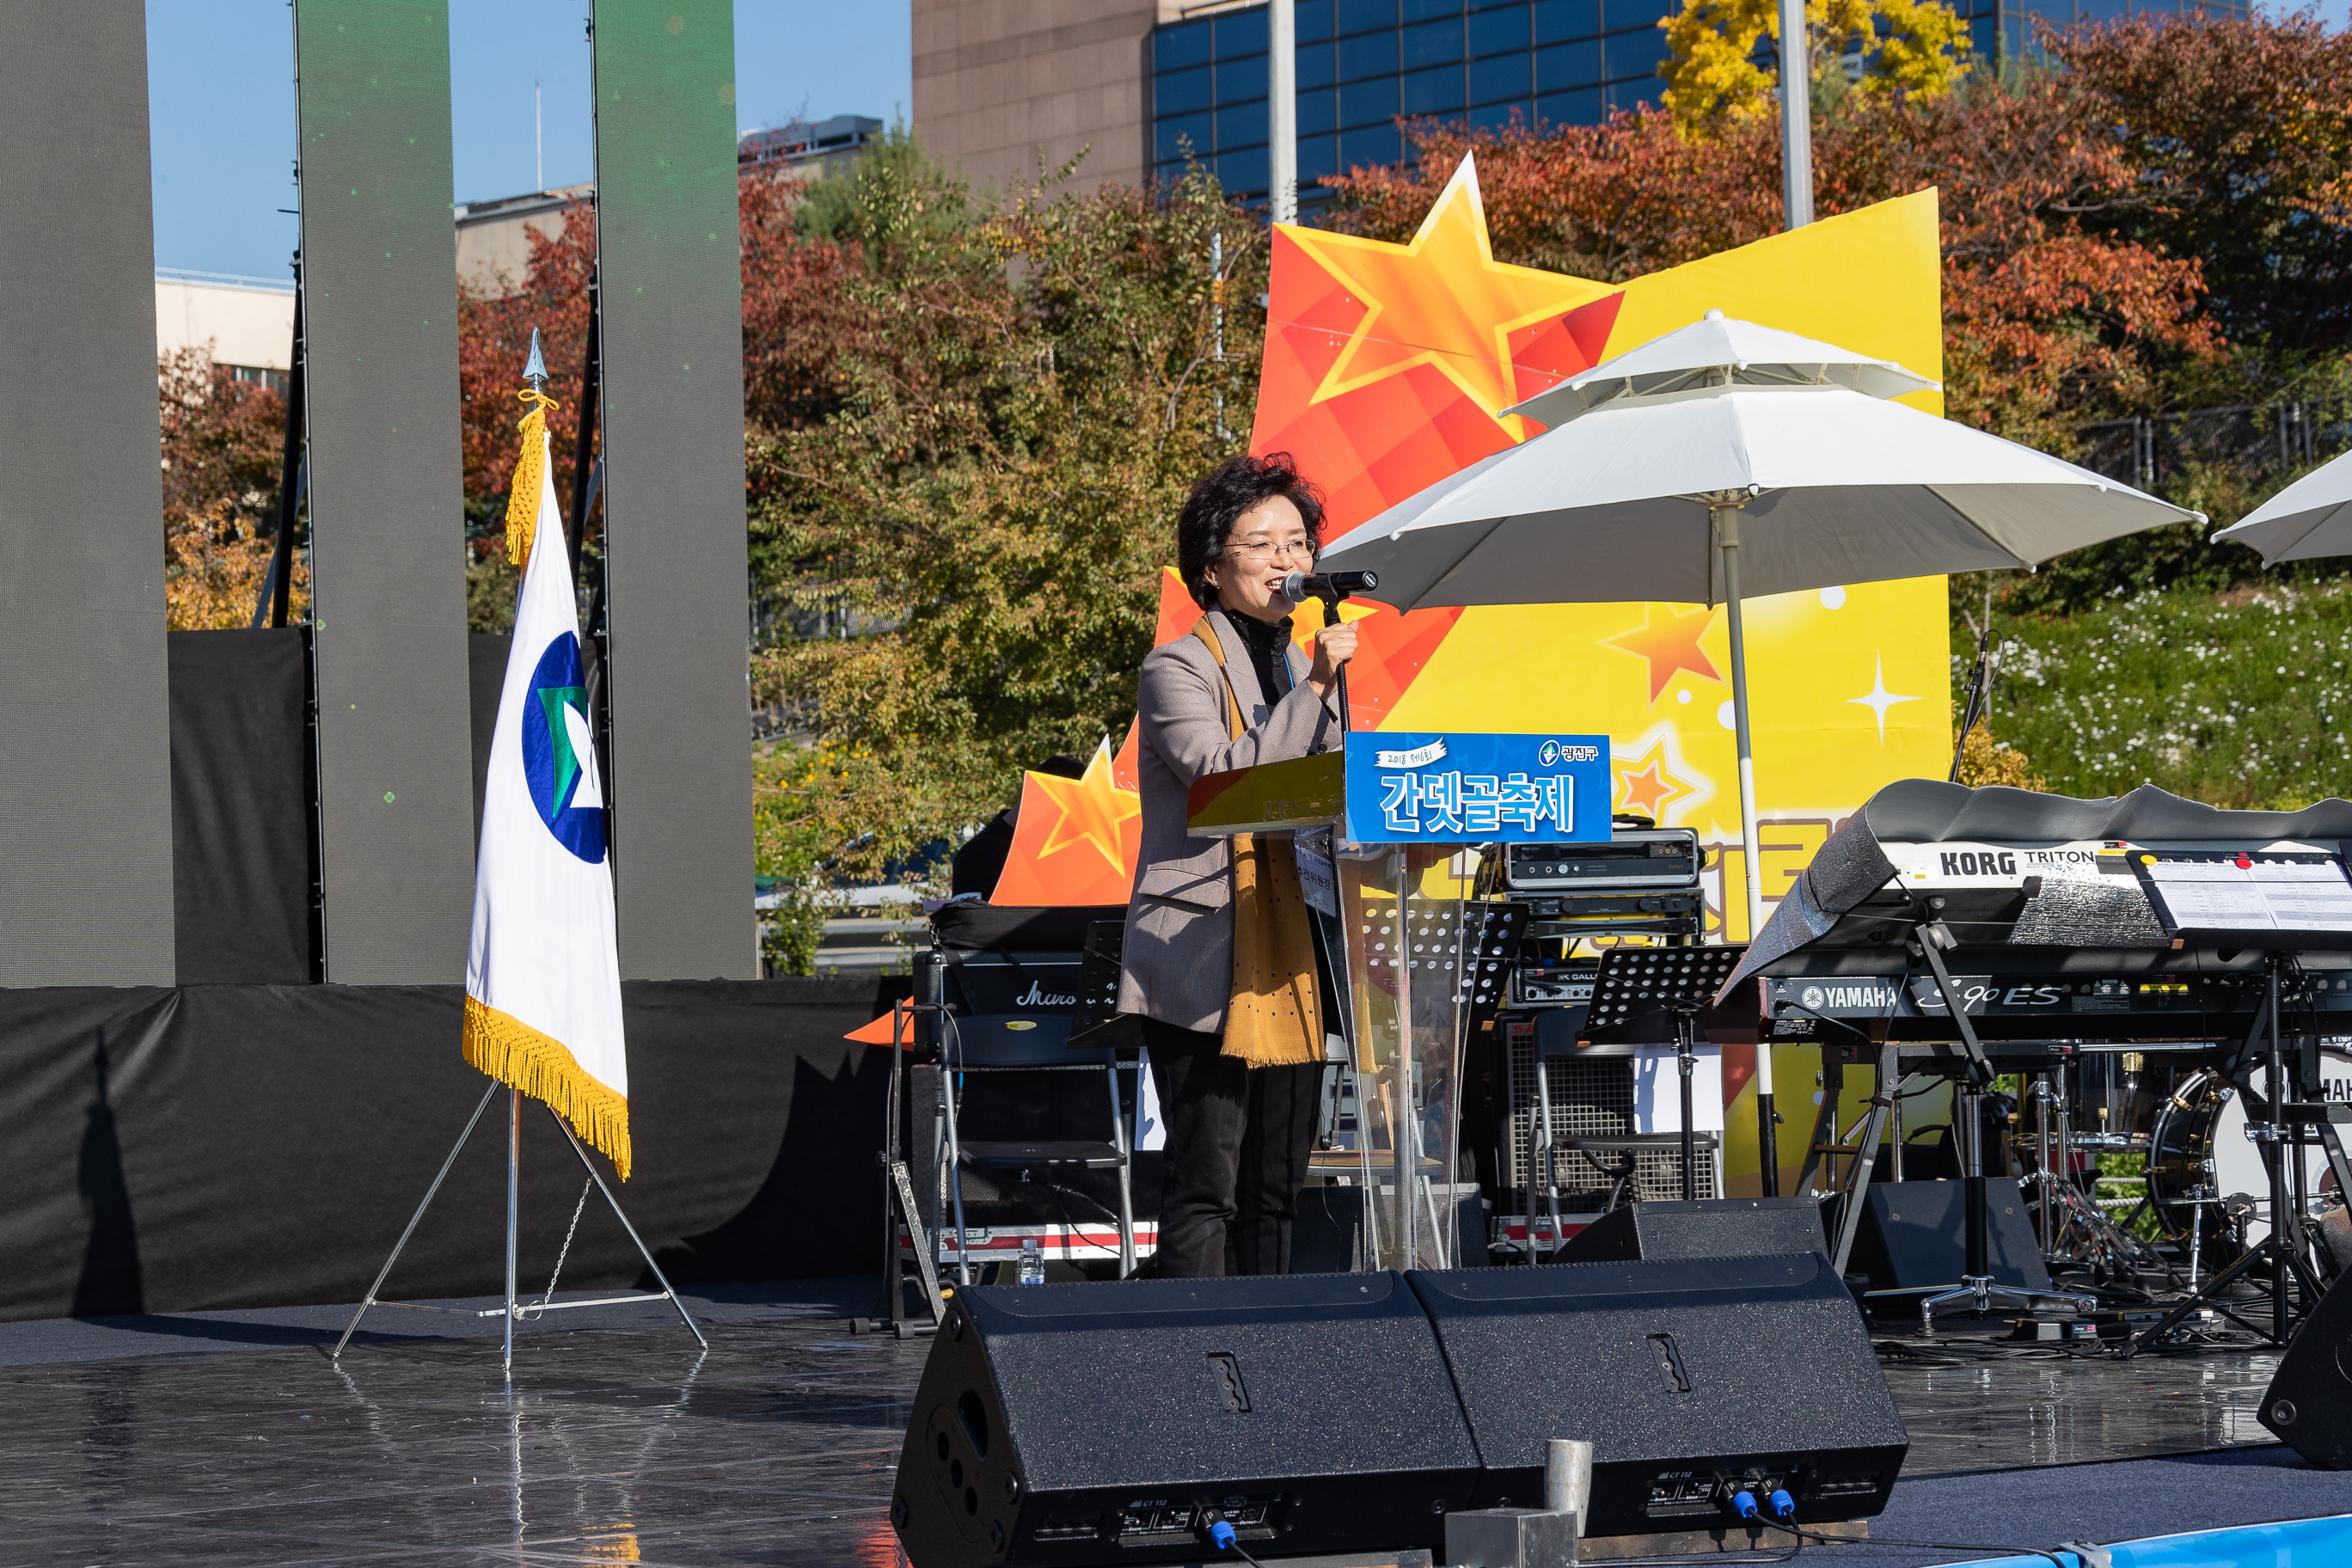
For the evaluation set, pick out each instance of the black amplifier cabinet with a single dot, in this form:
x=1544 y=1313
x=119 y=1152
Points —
x=1069 y=1426
x=1691 y=1378
x=1644 y=859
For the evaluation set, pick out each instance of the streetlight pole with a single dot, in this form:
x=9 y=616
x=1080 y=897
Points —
x=1282 y=43
x=1796 y=116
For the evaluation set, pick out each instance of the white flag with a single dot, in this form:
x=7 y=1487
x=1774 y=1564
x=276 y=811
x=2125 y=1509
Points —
x=543 y=973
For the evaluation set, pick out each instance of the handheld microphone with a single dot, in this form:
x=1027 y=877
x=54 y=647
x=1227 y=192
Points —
x=1330 y=587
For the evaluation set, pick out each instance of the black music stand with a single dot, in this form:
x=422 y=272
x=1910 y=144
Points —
x=1641 y=991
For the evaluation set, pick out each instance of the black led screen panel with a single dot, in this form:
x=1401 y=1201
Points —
x=85 y=763
x=380 y=307
x=673 y=400
x=241 y=830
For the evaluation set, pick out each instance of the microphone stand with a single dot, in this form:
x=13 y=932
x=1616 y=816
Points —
x=1332 y=598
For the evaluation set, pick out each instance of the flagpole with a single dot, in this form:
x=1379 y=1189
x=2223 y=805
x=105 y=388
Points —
x=514 y=1186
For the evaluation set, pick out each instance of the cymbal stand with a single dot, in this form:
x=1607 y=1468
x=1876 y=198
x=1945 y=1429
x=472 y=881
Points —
x=2041 y=1096
x=1976 y=1287
x=2284 y=1249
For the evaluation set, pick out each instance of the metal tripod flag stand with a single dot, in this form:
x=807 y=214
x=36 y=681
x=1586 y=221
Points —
x=516 y=1309
x=542 y=969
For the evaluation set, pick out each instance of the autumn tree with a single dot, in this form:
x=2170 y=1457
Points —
x=2239 y=137
x=2048 y=323
x=222 y=445
x=970 y=544
x=1714 y=78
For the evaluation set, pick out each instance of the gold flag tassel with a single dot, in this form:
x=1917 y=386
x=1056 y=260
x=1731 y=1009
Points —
x=514 y=1053
x=529 y=477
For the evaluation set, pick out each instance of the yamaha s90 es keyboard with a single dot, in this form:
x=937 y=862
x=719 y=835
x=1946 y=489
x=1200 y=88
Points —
x=2049 y=931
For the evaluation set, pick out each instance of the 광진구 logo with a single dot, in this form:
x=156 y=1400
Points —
x=559 y=758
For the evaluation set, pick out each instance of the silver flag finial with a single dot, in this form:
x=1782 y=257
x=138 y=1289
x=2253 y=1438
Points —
x=535 y=372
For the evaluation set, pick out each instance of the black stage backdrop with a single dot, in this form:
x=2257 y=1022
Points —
x=227 y=1146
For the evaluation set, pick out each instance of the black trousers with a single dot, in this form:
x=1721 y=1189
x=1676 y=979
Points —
x=1238 y=1139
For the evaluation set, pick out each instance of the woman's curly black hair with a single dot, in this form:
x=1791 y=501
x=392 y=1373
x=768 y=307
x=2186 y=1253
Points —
x=1217 y=503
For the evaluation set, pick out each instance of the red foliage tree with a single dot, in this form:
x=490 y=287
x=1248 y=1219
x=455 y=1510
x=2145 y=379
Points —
x=493 y=344
x=2238 y=135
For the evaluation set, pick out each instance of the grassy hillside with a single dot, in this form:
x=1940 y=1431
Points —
x=2237 y=699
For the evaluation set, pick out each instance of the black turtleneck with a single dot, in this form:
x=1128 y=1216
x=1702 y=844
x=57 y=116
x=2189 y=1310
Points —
x=1269 y=652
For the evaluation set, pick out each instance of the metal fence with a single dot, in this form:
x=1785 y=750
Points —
x=2262 y=442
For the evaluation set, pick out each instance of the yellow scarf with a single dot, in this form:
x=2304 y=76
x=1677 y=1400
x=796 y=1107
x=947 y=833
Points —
x=1276 y=1016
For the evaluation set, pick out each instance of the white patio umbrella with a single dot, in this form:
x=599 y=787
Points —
x=2309 y=519
x=1725 y=458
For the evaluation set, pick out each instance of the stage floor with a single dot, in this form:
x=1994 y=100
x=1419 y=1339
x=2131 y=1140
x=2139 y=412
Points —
x=241 y=1444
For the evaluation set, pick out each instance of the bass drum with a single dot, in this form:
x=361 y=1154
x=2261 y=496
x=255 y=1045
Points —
x=2183 y=1173
x=2198 y=1148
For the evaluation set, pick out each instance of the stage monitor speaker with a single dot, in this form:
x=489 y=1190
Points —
x=1912 y=1237
x=2308 y=1405
x=1063 y=1426
x=1691 y=1379
x=1709 y=1228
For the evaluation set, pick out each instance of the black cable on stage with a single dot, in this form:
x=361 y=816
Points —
x=1786 y=1508
x=1222 y=1536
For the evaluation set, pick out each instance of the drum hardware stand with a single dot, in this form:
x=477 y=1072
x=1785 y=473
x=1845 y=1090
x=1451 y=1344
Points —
x=2285 y=1247
x=2044 y=1092
x=514 y=1309
x=898 y=1208
x=1824 y=1138
x=1865 y=1151
x=1976 y=1286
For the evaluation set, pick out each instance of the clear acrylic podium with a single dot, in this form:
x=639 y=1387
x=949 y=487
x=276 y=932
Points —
x=1398 y=939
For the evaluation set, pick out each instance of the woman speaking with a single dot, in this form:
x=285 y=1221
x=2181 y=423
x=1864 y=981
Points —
x=1220 y=955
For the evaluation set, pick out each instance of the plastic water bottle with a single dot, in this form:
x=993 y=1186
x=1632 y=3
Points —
x=1032 y=1261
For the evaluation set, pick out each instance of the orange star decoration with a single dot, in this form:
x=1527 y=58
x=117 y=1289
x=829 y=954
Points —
x=1387 y=365
x=1074 y=840
x=1647 y=784
x=1670 y=644
x=1444 y=301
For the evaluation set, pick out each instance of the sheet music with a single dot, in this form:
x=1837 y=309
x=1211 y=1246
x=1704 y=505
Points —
x=2272 y=896
x=2304 y=897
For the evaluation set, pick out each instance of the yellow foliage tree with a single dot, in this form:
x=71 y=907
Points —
x=1985 y=760
x=1712 y=76
x=214 y=566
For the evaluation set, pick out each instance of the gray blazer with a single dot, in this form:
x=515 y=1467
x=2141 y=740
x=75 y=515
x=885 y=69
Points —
x=1177 y=965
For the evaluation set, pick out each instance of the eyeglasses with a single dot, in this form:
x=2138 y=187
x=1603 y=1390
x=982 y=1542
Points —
x=1267 y=549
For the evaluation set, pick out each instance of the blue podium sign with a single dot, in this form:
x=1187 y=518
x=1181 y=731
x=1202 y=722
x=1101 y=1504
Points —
x=1426 y=788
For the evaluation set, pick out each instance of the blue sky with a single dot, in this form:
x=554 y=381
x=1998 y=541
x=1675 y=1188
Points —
x=220 y=96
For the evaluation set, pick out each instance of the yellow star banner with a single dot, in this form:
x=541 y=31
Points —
x=1388 y=367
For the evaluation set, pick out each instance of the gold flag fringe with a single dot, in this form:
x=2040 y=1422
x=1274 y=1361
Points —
x=530 y=480
x=514 y=1053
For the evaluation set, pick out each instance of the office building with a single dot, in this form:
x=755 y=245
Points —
x=999 y=81
x=246 y=323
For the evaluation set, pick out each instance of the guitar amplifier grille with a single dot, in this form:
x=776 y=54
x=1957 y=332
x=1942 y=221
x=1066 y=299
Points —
x=1590 y=1097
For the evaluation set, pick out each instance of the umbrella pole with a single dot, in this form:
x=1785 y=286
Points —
x=1725 y=523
